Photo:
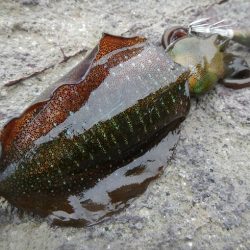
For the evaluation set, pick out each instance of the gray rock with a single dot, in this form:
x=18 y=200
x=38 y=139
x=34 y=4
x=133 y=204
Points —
x=202 y=200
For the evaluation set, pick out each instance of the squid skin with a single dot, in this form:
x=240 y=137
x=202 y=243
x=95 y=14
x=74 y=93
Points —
x=96 y=140
x=106 y=114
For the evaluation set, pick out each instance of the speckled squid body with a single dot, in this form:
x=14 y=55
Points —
x=111 y=109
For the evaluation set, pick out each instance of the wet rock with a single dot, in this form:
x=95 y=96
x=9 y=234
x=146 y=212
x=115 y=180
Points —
x=208 y=181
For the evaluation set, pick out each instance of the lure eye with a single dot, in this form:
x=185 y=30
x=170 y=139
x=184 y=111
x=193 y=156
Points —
x=173 y=34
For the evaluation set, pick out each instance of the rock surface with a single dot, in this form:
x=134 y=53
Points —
x=202 y=200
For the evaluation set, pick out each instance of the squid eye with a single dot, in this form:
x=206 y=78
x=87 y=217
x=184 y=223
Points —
x=173 y=34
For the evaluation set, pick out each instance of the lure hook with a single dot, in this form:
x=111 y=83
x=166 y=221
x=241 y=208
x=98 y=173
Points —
x=205 y=28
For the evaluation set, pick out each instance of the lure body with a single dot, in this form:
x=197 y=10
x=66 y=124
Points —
x=207 y=60
x=204 y=59
x=107 y=112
